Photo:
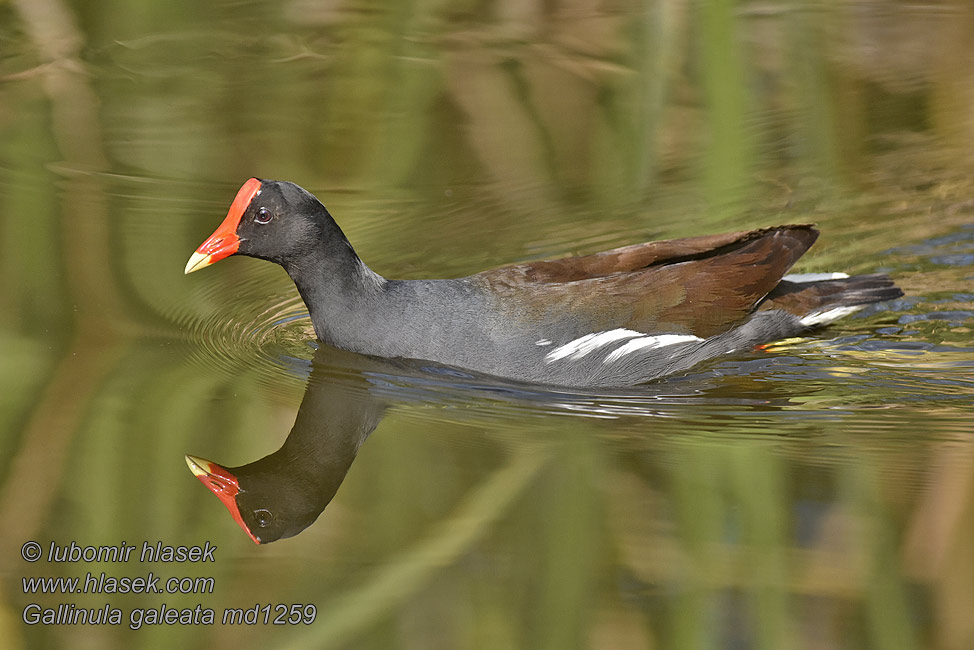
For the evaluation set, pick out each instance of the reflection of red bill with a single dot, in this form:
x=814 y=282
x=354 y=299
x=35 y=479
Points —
x=223 y=484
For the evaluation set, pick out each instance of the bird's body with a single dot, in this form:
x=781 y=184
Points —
x=617 y=318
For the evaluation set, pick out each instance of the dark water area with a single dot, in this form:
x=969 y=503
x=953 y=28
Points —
x=816 y=494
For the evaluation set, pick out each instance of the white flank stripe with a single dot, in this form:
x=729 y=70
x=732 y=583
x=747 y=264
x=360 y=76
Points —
x=649 y=343
x=543 y=342
x=829 y=315
x=583 y=345
x=815 y=277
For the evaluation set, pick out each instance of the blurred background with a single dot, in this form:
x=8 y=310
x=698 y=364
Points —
x=816 y=495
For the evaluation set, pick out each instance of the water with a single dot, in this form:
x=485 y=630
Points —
x=817 y=494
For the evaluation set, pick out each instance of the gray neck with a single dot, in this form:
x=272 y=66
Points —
x=343 y=295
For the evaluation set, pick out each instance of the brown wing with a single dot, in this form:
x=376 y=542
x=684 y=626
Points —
x=698 y=285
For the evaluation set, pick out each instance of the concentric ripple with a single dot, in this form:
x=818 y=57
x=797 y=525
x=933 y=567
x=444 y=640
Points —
x=250 y=328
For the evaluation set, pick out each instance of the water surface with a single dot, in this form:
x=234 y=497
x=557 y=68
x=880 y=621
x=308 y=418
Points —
x=817 y=494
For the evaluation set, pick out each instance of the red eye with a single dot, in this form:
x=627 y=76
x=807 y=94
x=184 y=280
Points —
x=263 y=216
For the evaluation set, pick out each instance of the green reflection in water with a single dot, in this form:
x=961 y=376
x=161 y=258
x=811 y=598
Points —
x=820 y=498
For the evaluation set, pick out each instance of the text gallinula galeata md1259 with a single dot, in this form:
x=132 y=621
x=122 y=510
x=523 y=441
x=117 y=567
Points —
x=612 y=319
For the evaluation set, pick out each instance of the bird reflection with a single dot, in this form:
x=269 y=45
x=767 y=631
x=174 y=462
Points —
x=281 y=494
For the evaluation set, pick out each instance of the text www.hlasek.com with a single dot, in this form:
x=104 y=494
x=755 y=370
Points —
x=105 y=584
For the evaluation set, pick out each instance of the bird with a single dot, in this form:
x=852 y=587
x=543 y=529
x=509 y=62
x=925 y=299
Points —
x=613 y=319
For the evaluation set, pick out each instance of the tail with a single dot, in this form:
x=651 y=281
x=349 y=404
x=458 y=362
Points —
x=820 y=298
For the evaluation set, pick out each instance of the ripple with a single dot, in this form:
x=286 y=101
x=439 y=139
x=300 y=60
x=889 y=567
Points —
x=267 y=336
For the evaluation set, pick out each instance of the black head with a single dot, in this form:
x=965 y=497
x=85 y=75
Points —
x=276 y=504
x=271 y=220
x=266 y=498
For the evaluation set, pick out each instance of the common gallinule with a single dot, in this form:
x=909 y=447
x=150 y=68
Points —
x=616 y=318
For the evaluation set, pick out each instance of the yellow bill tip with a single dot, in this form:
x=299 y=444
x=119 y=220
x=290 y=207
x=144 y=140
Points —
x=197 y=465
x=198 y=261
